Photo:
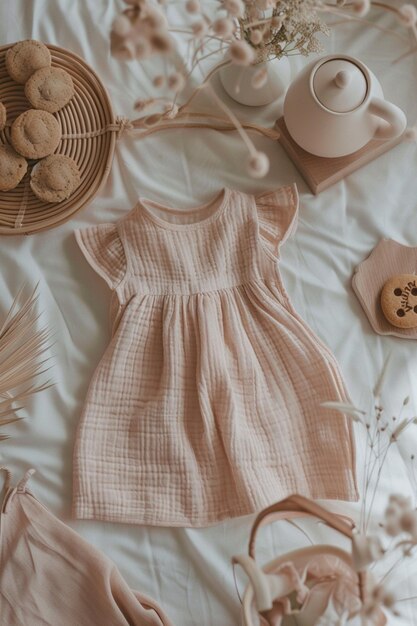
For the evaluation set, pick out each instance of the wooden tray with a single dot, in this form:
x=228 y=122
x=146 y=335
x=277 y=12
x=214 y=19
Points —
x=320 y=172
x=388 y=258
x=89 y=133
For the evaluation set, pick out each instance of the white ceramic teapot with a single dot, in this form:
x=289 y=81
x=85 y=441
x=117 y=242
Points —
x=335 y=106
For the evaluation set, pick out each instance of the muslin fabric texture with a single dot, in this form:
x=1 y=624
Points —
x=207 y=402
x=50 y=576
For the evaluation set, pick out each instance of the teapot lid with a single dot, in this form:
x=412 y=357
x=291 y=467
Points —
x=340 y=85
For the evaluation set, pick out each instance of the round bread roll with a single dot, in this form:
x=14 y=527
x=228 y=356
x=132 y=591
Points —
x=49 y=89
x=12 y=168
x=55 y=178
x=35 y=134
x=26 y=57
x=3 y=116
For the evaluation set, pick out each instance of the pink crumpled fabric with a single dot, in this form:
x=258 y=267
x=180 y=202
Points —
x=50 y=576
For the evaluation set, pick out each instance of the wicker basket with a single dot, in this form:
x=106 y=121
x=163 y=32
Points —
x=89 y=134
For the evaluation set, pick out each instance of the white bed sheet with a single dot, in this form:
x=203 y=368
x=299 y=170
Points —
x=189 y=571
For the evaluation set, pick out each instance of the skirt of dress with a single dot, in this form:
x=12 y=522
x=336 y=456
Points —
x=218 y=412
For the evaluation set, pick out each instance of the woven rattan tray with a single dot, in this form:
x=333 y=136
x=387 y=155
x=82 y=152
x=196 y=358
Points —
x=89 y=133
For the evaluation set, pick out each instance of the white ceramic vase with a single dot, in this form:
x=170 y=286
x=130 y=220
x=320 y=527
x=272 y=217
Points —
x=237 y=81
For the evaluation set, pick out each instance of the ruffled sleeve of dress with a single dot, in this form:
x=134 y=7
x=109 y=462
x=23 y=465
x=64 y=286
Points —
x=277 y=217
x=103 y=249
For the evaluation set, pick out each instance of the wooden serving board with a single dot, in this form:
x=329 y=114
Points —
x=387 y=259
x=320 y=172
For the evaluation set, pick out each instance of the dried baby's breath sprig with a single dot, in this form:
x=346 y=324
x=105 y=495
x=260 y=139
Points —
x=381 y=435
x=397 y=536
x=282 y=28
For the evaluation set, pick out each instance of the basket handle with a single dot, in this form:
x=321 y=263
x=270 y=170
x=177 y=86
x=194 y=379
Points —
x=297 y=506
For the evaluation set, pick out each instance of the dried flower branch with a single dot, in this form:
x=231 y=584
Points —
x=246 y=32
x=398 y=537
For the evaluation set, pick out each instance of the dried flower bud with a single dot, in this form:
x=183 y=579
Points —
x=277 y=22
x=142 y=48
x=141 y=105
x=158 y=81
x=398 y=506
x=223 y=27
x=399 y=429
x=379 y=597
x=192 y=6
x=176 y=82
x=199 y=29
x=402 y=503
x=124 y=51
x=408 y=523
x=241 y=53
x=161 y=42
x=407 y=15
x=365 y=550
x=122 y=26
x=259 y=78
x=392 y=527
x=154 y=18
x=388 y=599
x=256 y=36
x=258 y=165
x=251 y=13
x=361 y=7
x=234 y=7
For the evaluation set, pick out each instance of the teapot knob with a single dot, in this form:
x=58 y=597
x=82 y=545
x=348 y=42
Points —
x=343 y=78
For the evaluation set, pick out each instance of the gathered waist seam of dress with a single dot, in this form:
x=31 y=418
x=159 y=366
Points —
x=211 y=291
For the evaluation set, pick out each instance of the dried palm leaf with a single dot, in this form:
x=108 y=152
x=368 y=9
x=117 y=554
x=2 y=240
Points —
x=22 y=344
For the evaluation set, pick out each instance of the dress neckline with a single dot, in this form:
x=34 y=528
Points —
x=222 y=199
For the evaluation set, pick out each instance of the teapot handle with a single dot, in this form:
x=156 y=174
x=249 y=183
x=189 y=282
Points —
x=395 y=118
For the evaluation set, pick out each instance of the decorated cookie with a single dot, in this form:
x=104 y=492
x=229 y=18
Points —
x=3 y=116
x=12 y=168
x=50 y=89
x=55 y=178
x=399 y=300
x=35 y=134
x=26 y=57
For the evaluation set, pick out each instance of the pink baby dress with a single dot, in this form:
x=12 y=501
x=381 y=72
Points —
x=207 y=402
